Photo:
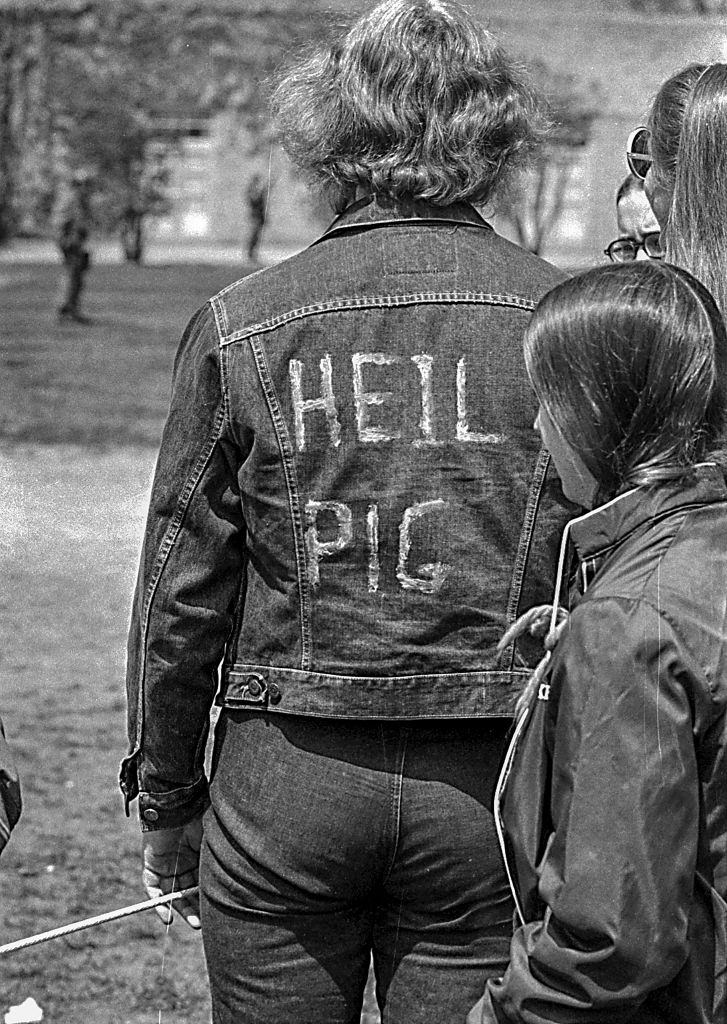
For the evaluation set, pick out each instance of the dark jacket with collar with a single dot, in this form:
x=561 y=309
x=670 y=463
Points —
x=615 y=796
x=350 y=502
x=10 y=802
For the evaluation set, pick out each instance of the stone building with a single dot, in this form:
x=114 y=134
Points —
x=627 y=57
x=623 y=56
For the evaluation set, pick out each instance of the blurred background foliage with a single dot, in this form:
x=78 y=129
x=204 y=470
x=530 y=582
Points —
x=101 y=88
x=106 y=87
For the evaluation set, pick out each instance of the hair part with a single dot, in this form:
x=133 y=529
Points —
x=630 y=362
x=696 y=232
x=416 y=102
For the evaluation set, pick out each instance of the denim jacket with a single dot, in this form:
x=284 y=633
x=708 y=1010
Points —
x=350 y=502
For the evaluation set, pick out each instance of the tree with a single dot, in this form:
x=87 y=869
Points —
x=99 y=86
x=534 y=202
x=27 y=30
x=110 y=92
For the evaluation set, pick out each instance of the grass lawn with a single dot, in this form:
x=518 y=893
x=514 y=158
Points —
x=82 y=409
x=103 y=384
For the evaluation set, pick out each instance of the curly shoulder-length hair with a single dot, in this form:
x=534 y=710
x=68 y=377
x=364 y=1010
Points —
x=416 y=102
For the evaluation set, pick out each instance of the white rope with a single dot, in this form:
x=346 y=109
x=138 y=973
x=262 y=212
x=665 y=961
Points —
x=91 y=922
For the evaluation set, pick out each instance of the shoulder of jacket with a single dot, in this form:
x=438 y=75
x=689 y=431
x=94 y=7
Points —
x=249 y=300
x=306 y=283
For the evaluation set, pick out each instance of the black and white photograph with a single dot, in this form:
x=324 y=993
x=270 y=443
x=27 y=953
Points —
x=363 y=511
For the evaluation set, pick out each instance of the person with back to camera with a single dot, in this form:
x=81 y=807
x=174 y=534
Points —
x=75 y=225
x=612 y=796
x=638 y=229
x=349 y=507
x=256 y=194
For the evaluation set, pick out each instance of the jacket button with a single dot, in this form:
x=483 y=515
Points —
x=254 y=686
x=274 y=693
x=151 y=815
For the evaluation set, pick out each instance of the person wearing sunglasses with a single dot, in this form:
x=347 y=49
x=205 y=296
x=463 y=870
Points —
x=652 y=149
x=681 y=156
x=638 y=230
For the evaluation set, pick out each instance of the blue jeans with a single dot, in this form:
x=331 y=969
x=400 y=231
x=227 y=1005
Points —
x=329 y=841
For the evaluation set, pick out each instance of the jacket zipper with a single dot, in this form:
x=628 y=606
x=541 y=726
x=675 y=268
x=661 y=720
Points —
x=522 y=720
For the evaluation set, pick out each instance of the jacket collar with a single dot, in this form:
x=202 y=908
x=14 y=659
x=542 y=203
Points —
x=602 y=529
x=370 y=212
x=596 y=533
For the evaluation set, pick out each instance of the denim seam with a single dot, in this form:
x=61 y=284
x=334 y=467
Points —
x=291 y=482
x=243 y=667
x=223 y=368
x=165 y=549
x=234 y=634
x=220 y=314
x=396 y=795
x=227 y=412
x=524 y=544
x=381 y=302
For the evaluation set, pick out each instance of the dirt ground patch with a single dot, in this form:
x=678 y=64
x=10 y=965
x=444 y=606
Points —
x=68 y=554
x=81 y=410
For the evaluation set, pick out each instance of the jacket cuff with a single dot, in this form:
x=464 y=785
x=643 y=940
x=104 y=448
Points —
x=171 y=808
x=174 y=808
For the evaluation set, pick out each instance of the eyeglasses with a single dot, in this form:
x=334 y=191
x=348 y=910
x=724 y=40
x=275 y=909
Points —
x=624 y=250
x=638 y=151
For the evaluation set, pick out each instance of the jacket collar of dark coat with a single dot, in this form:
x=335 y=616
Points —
x=368 y=213
x=597 y=532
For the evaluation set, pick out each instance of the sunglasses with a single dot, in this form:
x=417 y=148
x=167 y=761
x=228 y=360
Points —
x=638 y=151
x=624 y=250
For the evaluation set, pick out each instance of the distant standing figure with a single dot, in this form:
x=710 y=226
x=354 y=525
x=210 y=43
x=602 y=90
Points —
x=73 y=242
x=638 y=229
x=256 y=202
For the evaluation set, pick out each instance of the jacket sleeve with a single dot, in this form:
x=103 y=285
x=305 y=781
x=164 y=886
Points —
x=10 y=801
x=188 y=587
x=617 y=873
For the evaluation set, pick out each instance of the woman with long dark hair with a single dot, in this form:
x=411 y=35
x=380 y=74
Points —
x=612 y=804
x=660 y=139
x=682 y=156
x=696 y=228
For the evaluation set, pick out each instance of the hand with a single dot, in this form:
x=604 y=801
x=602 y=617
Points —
x=171 y=863
x=477 y=1013
x=536 y=621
